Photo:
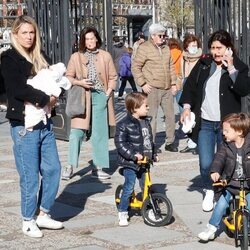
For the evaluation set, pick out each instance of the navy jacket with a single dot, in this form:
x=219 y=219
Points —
x=125 y=65
x=230 y=92
x=16 y=70
x=129 y=141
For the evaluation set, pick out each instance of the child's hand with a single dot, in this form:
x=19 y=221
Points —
x=139 y=156
x=215 y=176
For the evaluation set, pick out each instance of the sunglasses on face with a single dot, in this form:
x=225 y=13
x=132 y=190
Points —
x=161 y=36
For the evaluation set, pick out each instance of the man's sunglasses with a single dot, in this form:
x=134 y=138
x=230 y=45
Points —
x=161 y=36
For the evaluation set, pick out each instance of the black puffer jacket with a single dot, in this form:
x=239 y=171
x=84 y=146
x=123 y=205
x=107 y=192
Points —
x=129 y=141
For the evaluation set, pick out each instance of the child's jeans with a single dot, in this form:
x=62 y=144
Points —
x=221 y=207
x=130 y=176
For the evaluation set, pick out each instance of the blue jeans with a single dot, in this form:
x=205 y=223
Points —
x=221 y=207
x=178 y=97
x=130 y=176
x=36 y=159
x=210 y=135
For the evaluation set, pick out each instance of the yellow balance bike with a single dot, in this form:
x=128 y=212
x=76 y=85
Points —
x=237 y=217
x=156 y=209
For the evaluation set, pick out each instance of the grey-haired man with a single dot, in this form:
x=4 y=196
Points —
x=154 y=72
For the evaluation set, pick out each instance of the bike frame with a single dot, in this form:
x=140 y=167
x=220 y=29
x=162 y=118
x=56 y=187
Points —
x=135 y=203
x=239 y=210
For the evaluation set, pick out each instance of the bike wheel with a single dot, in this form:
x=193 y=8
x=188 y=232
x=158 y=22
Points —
x=118 y=194
x=163 y=207
x=244 y=233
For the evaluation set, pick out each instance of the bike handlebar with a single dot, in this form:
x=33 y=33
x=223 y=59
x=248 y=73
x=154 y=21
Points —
x=224 y=182
x=145 y=160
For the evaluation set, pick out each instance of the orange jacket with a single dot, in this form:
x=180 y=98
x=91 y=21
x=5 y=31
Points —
x=176 y=55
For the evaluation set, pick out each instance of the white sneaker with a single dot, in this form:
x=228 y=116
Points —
x=123 y=219
x=208 y=202
x=31 y=229
x=67 y=172
x=46 y=222
x=208 y=233
x=100 y=174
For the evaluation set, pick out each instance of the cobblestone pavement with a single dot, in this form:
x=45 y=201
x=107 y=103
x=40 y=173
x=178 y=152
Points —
x=87 y=208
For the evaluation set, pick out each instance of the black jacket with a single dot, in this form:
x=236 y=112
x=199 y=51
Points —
x=129 y=141
x=230 y=92
x=16 y=70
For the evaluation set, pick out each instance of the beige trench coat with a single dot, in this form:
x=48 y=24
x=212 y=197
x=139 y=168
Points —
x=107 y=74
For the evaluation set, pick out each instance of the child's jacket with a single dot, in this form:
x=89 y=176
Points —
x=129 y=141
x=225 y=159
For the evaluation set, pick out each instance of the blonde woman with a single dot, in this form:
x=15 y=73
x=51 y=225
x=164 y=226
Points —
x=35 y=151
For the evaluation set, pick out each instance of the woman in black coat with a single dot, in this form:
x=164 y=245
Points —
x=35 y=151
x=213 y=89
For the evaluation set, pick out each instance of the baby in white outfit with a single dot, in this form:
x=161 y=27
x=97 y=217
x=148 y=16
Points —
x=50 y=81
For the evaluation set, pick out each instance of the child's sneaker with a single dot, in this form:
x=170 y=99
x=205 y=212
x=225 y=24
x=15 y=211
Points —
x=31 y=229
x=208 y=234
x=123 y=219
x=46 y=222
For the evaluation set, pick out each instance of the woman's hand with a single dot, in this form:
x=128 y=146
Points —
x=52 y=101
x=86 y=83
x=108 y=92
x=215 y=176
x=186 y=113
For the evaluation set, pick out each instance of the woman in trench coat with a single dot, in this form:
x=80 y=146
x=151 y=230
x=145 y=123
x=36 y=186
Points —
x=93 y=69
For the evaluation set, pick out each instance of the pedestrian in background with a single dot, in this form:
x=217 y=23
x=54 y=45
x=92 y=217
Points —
x=93 y=69
x=191 y=54
x=117 y=50
x=125 y=72
x=35 y=151
x=213 y=90
x=138 y=42
x=133 y=141
x=176 y=54
x=154 y=72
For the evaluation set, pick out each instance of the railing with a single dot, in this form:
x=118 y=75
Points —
x=231 y=15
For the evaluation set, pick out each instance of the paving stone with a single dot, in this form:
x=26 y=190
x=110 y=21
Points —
x=199 y=246
x=14 y=196
x=6 y=170
x=108 y=199
x=93 y=247
x=142 y=234
x=95 y=220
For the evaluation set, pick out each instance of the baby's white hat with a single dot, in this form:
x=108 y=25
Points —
x=59 y=67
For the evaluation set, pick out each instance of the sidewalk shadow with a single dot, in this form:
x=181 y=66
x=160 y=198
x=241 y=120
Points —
x=73 y=198
x=196 y=184
x=160 y=139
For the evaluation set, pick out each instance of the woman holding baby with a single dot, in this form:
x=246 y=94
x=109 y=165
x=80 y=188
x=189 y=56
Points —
x=35 y=150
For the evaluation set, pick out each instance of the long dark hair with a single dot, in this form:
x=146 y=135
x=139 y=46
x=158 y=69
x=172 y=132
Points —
x=223 y=37
x=82 y=44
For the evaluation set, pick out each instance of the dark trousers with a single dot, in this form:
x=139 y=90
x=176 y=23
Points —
x=124 y=80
